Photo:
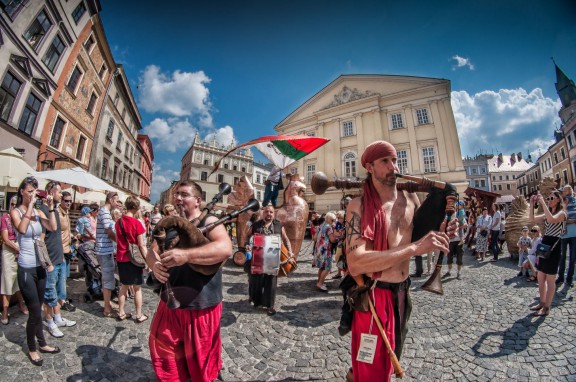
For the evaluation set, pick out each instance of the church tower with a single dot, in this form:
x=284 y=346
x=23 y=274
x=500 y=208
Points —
x=567 y=92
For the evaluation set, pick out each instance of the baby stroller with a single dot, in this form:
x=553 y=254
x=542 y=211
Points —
x=92 y=273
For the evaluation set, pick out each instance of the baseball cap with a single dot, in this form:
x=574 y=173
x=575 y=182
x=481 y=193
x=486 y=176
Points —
x=525 y=228
x=86 y=210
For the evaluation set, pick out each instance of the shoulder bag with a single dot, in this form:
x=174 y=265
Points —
x=133 y=250
x=40 y=249
x=544 y=251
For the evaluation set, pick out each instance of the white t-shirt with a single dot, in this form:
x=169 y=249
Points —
x=496 y=218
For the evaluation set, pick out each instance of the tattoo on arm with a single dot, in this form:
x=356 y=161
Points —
x=353 y=227
x=352 y=248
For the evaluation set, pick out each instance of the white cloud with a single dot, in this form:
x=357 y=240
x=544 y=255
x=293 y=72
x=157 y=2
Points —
x=171 y=134
x=462 y=62
x=161 y=180
x=179 y=94
x=507 y=121
x=224 y=136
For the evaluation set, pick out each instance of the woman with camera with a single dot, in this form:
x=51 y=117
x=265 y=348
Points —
x=483 y=225
x=553 y=219
x=28 y=221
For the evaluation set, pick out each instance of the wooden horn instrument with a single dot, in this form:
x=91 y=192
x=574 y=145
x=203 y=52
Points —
x=320 y=183
x=434 y=282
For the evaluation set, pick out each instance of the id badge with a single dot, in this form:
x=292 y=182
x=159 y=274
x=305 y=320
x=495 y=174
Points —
x=367 y=348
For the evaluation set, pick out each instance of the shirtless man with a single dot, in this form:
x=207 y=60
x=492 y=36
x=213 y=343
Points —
x=379 y=229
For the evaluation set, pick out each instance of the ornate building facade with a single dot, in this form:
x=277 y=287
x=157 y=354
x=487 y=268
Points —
x=504 y=171
x=199 y=160
x=412 y=113
x=477 y=171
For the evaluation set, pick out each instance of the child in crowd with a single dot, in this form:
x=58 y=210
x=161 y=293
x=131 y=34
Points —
x=531 y=262
x=524 y=243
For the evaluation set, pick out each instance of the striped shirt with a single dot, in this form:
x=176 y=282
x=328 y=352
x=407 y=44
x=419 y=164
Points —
x=553 y=229
x=104 y=245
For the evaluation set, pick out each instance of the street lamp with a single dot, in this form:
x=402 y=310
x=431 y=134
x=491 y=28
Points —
x=46 y=163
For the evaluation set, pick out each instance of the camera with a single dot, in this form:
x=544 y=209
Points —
x=40 y=195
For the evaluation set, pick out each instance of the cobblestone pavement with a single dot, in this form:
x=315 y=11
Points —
x=479 y=330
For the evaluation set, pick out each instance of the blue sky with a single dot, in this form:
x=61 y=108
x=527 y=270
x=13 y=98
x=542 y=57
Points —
x=237 y=68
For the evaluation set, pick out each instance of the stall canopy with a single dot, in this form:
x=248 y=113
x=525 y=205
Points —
x=13 y=169
x=76 y=176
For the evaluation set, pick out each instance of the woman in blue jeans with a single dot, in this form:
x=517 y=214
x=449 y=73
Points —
x=28 y=222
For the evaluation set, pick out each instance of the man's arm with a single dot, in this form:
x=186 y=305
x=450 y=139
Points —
x=363 y=259
x=217 y=250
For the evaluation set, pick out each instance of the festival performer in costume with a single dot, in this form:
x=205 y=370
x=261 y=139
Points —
x=262 y=287
x=185 y=343
x=378 y=244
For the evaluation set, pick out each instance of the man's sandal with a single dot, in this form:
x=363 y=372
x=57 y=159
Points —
x=123 y=317
x=141 y=319
x=112 y=314
x=536 y=307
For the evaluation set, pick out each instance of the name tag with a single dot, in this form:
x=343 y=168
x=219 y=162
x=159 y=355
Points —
x=367 y=348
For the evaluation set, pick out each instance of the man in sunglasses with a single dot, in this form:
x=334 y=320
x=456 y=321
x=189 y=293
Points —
x=55 y=280
x=64 y=212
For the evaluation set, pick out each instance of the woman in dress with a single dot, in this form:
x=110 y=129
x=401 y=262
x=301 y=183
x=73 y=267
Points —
x=325 y=237
x=483 y=230
x=553 y=219
x=10 y=251
x=28 y=222
x=130 y=230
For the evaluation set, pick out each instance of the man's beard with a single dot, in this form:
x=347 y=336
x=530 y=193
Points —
x=268 y=219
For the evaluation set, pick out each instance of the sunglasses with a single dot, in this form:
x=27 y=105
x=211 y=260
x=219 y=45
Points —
x=67 y=201
x=550 y=198
x=12 y=204
x=533 y=230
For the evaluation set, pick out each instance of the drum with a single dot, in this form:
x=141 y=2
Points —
x=287 y=263
x=265 y=254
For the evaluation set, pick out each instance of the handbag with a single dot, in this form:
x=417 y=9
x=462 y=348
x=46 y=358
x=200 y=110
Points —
x=41 y=250
x=543 y=251
x=133 y=250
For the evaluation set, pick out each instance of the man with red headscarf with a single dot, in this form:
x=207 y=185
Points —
x=378 y=245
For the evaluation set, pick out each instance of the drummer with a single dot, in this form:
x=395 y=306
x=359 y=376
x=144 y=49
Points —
x=185 y=343
x=262 y=287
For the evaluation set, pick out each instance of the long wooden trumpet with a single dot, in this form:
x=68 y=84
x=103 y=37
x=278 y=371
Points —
x=320 y=183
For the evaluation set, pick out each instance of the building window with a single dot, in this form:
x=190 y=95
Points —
x=474 y=170
x=429 y=159
x=119 y=141
x=53 y=53
x=499 y=187
x=57 y=133
x=110 y=131
x=123 y=113
x=204 y=176
x=78 y=12
x=483 y=170
x=80 y=148
x=29 y=115
x=565 y=176
x=104 y=169
x=482 y=183
x=310 y=171
x=347 y=129
x=116 y=99
x=258 y=179
x=236 y=180
x=494 y=187
x=220 y=178
x=500 y=177
x=235 y=168
x=562 y=153
x=89 y=43
x=74 y=79
x=508 y=186
x=555 y=158
x=422 y=116
x=570 y=141
x=397 y=121
x=243 y=169
x=36 y=32
x=350 y=165
x=8 y=92
x=507 y=177
x=102 y=71
x=402 y=161
x=226 y=166
x=126 y=150
x=91 y=103
x=259 y=195
x=11 y=7
x=205 y=161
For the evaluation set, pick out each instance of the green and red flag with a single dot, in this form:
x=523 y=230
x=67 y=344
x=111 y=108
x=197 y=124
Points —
x=282 y=150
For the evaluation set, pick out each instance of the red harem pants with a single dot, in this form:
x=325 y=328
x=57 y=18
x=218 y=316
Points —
x=381 y=369
x=185 y=344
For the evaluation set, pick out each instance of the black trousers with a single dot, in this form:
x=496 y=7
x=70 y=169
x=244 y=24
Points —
x=262 y=289
x=32 y=283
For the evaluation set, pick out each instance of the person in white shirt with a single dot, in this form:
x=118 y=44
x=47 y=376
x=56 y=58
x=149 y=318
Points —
x=483 y=225
x=495 y=232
